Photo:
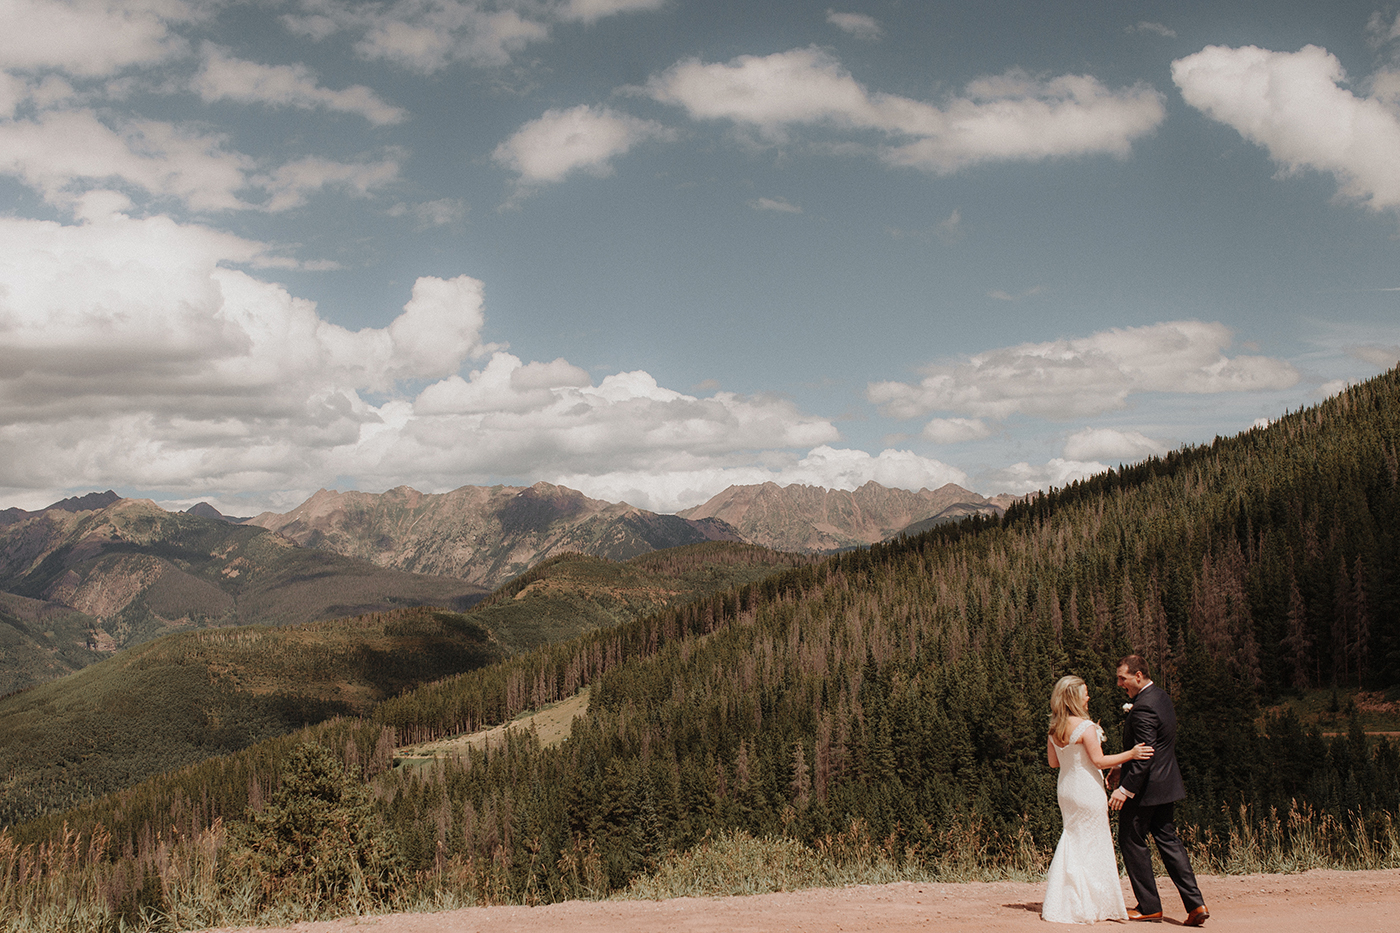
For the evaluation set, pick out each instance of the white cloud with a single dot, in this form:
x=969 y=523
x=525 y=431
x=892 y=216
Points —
x=1293 y=105
x=12 y=92
x=430 y=35
x=589 y=11
x=224 y=77
x=1021 y=478
x=65 y=153
x=781 y=205
x=60 y=152
x=579 y=139
x=1156 y=29
x=950 y=229
x=1383 y=356
x=1111 y=444
x=856 y=24
x=956 y=430
x=1086 y=375
x=290 y=184
x=1382 y=29
x=1010 y=117
x=1331 y=388
x=440 y=213
x=92 y=38
x=132 y=355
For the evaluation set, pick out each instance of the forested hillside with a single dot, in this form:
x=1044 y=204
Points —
x=898 y=694
x=194 y=694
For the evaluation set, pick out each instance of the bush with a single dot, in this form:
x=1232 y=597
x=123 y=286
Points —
x=317 y=842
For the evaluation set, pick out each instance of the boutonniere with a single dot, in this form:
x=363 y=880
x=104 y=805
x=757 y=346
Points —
x=1127 y=708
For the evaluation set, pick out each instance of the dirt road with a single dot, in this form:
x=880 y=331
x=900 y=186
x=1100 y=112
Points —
x=1312 y=902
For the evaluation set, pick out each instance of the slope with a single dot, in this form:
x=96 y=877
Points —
x=190 y=695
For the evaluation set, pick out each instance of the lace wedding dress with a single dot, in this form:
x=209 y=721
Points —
x=1082 y=885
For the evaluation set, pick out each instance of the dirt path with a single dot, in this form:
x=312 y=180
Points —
x=1311 y=902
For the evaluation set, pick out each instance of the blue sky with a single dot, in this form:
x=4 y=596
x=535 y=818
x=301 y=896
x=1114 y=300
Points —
x=652 y=248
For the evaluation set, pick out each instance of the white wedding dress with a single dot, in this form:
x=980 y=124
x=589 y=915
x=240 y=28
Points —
x=1082 y=885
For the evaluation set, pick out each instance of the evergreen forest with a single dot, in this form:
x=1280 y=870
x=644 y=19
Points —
x=890 y=700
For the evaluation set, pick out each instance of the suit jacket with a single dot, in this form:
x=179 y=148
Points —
x=1152 y=721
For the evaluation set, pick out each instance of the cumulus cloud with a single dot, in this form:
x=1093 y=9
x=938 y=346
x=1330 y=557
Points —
x=856 y=24
x=1021 y=478
x=1010 y=117
x=12 y=92
x=1111 y=444
x=224 y=77
x=134 y=354
x=1295 y=106
x=582 y=138
x=589 y=11
x=430 y=35
x=61 y=152
x=91 y=39
x=64 y=153
x=1085 y=375
x=956 y=430
x=290 y=184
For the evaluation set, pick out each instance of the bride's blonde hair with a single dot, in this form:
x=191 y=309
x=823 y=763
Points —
x=1066 y=700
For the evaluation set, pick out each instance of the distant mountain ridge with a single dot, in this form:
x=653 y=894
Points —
x=488 y=535
x=483 y=534
x=76 y=585
x=87 y=503
x=815 y=519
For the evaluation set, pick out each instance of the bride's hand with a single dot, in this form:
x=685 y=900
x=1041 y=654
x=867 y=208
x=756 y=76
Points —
x=1141 y=751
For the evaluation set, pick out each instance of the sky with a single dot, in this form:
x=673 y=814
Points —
x=648 y=249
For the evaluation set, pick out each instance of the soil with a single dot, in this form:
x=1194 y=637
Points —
x=1328 y=901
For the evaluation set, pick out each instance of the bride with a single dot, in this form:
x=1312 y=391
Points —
x=1082 y=885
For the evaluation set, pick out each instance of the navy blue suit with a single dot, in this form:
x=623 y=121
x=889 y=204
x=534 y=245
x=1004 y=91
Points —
x=1156 y=786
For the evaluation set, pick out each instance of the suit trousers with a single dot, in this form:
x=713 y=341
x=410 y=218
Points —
x=1135 y=824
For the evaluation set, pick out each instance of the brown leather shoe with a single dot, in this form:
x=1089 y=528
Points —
x=1135 y=914
x=1197 y=916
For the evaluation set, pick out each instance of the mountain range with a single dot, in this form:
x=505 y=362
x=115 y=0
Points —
x=487 y=535
x=482 y=534
x=77 y=584
x=813 y=519
x=96 y=573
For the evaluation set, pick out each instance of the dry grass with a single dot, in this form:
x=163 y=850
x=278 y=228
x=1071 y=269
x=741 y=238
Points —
x=551 y=724
x=77 y=883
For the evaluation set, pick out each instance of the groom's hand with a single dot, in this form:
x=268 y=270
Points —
x=1120 y=797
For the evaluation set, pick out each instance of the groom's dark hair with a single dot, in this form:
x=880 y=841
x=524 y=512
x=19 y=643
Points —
x=1135 y=665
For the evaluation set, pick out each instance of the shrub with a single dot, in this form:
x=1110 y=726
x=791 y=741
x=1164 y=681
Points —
x=317 y=842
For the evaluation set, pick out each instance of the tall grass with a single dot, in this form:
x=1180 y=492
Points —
x=81 y=883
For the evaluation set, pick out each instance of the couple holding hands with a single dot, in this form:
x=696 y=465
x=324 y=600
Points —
x=1083 y=886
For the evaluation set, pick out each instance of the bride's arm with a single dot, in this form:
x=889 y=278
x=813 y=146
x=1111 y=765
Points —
x=1050 y=755
x=1102 y=761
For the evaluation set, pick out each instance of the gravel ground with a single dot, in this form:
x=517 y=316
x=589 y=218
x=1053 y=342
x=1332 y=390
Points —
x=1325 y=901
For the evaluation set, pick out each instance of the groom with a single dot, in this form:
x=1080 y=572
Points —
x=1147 y=792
